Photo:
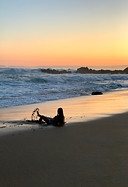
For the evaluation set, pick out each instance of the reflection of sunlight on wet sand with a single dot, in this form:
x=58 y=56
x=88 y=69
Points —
x=91 y=107
x=75 y=109
x=98 y=106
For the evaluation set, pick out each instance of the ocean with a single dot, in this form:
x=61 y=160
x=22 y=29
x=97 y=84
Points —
x=25 y=85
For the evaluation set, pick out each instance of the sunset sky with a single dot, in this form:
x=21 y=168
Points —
x=63 y=32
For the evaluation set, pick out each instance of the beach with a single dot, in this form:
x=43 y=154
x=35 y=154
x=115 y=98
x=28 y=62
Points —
x=87 y=151
x=64 y=62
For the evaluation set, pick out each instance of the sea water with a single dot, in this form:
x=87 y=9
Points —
x=22 y=85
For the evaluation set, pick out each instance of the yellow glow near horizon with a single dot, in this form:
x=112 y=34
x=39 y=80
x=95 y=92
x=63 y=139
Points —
x=97 y=43
x=84 y=49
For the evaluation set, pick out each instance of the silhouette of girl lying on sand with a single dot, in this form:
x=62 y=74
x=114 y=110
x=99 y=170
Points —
x=58 y=120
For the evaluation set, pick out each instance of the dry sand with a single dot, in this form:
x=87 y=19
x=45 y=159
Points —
x=89 y=154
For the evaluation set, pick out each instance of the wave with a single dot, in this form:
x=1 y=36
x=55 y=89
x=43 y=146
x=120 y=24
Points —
x=19 y=86
x=37 y=80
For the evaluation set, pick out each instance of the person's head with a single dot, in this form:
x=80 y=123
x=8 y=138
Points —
x=60 y=116
x=60 y=112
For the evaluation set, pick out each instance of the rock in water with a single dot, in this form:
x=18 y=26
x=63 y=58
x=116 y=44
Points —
x=97 y=93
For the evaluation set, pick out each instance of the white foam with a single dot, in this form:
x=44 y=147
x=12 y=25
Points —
x=20 y=86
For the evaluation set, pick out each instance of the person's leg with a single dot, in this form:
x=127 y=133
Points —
x=45 y=118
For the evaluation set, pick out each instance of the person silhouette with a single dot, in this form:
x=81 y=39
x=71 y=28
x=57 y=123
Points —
x=58 y=120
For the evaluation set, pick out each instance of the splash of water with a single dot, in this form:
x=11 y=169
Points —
x=34 y=115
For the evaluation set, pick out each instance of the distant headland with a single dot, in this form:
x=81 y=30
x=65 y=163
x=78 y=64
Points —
x=85 y=70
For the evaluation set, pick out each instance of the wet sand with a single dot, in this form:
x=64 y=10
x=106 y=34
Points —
x=80 y=109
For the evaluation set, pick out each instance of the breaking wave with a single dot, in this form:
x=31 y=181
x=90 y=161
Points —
x=20 y=86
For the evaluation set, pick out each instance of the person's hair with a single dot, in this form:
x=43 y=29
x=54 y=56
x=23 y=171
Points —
x=61 y=115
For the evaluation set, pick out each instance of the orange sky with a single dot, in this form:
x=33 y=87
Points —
x=71 y=36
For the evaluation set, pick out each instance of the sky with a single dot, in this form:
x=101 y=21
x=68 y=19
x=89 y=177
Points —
x=63 y=32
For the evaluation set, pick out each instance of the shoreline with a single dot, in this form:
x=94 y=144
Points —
x=79 y=109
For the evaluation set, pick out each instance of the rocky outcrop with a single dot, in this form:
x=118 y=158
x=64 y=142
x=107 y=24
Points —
x=55 y=71
x=85 y=70
x=126 y=70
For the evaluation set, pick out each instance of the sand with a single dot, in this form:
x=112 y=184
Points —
x=80 y=109
x=89 y=153
x=94 y=153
